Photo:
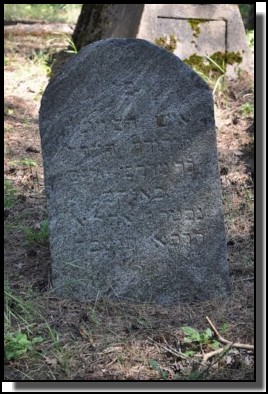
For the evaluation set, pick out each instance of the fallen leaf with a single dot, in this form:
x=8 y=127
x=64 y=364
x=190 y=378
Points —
x=51 y=361
x=113 y=349
x=238 y=153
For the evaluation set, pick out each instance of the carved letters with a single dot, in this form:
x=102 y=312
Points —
x=181 y=220
x=136 y=175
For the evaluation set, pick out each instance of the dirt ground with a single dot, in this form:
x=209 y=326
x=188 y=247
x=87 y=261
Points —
x=117 y=340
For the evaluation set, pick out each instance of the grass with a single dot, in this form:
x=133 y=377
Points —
x=67 y=13
x=71 y=45
x=25 y=162
x=217 y=84
x=26 y=330
x=9 y=193
x=11 y=302
x=41 y=59
x=38 y=236
x=28 y=163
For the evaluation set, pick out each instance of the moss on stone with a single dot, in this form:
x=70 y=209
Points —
x=194 y=23
x=207 y=67
x=233 y=57
x=170 y=44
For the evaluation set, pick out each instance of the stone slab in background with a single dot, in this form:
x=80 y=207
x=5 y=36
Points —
x=131 y=176
x=199 y=29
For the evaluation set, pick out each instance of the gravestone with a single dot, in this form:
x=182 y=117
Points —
x=192 y=31
x=131 y=177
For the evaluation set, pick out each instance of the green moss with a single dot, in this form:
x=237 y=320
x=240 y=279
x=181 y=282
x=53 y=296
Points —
x=198 y=63
x=170 y=44
x=215 y=64
x=195 y=26
x=233 y=57
x=194 y=23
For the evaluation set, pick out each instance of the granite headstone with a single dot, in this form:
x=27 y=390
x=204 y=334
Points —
x=131 y=177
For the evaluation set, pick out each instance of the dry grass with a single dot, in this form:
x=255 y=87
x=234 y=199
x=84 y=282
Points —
x=118 y=340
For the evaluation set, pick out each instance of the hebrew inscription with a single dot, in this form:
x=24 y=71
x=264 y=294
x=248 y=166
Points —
x=132 y=184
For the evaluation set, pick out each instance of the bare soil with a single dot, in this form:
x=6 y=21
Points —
x=117 y=340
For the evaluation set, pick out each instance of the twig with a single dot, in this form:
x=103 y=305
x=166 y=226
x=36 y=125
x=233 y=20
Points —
x=222 y=340
x=30 y=196
x=211 y=354
x=174 y=352
x=208 y=355
x=169 y=349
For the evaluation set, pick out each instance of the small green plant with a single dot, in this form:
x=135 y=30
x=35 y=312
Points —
x=18 y=343
x=9 y=193
x=224 y=328
x=28 y=162
x=39 y=236
x=154 y=365
x=192 y=335
x=247 y=109
x=203 y=338
x=23 y=323
x=20 y=311
x=143 y=323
